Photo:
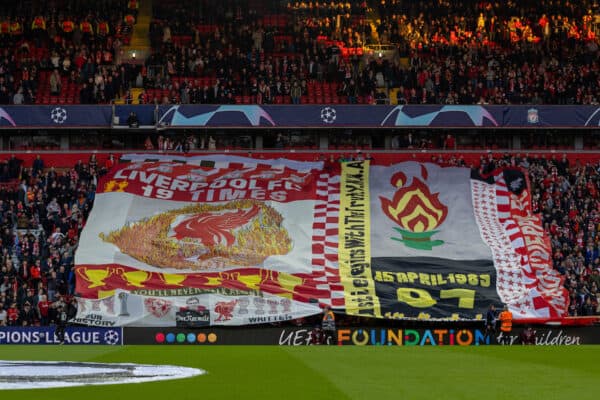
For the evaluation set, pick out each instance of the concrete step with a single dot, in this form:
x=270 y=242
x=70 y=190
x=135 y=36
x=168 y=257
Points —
x=140 y=39
x=140 y=42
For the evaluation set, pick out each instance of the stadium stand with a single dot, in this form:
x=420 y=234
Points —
x=43 y=210
x=261 y=52
x=519 y=54
x=63 y=52
x=247 y=52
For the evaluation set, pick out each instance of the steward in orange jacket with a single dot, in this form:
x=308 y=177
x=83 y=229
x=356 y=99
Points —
x=68 y=26
x=38 y=23
x=103 y=28
x=505 y=319
x=16 y=29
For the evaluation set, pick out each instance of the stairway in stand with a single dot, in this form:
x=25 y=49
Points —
x=139 y=47
x=141 y=30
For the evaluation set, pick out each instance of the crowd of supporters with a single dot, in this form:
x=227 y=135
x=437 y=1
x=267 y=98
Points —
x=467 y=52
x=270 y=51
x=248 y=57
x=566 y=194
x=43 y=213
x=470 y=52
x=63 y=49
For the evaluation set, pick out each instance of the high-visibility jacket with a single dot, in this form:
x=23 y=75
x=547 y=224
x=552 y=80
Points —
x=133 y=5
x=103 y=28
x=68 y=26
x=505 y=321
x=16 y=28
x=5 y=27
x=328 y=323
x=38 y=23
x=86 y=27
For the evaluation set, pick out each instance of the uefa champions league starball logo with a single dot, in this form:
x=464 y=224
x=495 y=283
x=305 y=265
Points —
x=58 y=115
x=401 y=116
x=254 y=116
x=594 y=119
x=328 y=115
x=111 y=337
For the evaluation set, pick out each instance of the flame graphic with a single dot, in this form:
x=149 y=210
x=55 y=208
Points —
x=416 y=210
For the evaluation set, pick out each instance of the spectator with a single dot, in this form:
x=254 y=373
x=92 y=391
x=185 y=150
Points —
x=132 y=120
x=3 y=315
x=27 y=315
x=55 y=83
x=13 y=314
x=527 y=337
x=52 y=285
x=43 y=307
x=317 y=336
x=352 y=92
x=212 y=143
x=18 y=98
x=588 y=308
x=490 y=322
x=37 y=167
x=449 y=143
x=148 y=144
x=296 y=92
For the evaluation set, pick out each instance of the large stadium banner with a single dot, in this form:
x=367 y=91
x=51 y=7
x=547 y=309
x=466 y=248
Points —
x=187 y=116
x=223 y=240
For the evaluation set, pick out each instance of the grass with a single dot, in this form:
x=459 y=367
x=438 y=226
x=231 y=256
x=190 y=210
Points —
x=270 y=372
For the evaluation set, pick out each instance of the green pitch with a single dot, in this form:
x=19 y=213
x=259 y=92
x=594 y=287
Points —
x=287 y=373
